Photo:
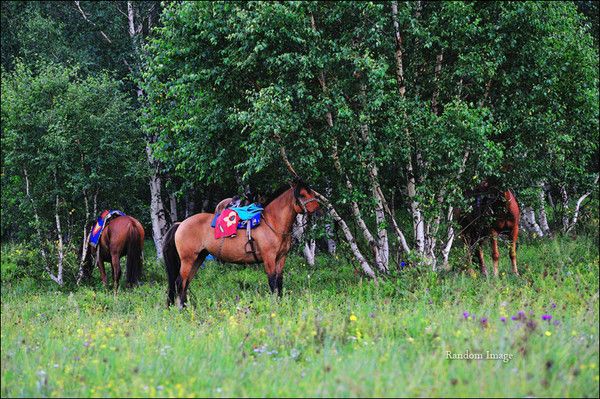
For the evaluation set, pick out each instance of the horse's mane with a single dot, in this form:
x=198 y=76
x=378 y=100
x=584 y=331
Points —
x=299 y=183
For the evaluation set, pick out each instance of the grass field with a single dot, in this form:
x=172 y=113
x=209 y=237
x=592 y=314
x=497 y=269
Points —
x=332 y=334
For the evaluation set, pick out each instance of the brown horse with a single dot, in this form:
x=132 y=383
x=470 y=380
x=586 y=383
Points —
x=122 y=236
x=495 y=211
x=189 y=242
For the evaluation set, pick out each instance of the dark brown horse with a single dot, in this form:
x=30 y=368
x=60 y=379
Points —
x=122 y=236
x=189 y=242
x=495 y=211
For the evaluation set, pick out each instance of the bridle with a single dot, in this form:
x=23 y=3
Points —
x=300 y=202
x=303 y=203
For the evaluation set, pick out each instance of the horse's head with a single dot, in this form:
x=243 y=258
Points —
x=306 y=201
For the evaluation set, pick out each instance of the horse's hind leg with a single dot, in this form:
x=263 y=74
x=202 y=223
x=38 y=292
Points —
x=513 y=249
x=116 y=266
x=189 y=267
x=100 y=263
x=495 y=252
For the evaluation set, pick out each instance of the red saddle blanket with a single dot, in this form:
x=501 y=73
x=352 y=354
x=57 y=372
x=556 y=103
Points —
x=226 y=225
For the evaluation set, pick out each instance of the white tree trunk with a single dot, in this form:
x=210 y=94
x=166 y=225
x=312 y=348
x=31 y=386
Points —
x=61 y=254
x=565 y=204
x=529 y=223
x=578 y=207
x=450 y=240
x=157 y=211
x=298 y=233
x=309 y=252
x=349 y=237
x=85 y=243
x=415 y=209
x=542 y=212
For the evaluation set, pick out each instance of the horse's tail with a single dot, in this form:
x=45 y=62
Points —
x=172 y=262
x=134 y=256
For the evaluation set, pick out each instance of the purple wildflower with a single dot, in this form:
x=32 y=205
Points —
x=546 y=317
x=553 y=305
x=484 y=322
x=514 y=318
x=402 y=264
x=556 y=322
x=503 y=319
x=466 y=315
x=521 y=313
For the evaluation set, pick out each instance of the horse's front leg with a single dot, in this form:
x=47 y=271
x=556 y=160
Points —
x=279 y=275
x=270 y=269
x=513 y=248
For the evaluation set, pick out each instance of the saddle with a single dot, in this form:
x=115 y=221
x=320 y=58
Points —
x=101 y=223
x=234 y=218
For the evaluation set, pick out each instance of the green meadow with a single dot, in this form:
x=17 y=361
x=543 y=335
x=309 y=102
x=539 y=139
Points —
x=332 y=334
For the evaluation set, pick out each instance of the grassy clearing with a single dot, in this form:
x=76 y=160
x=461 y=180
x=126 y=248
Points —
x=333 y=333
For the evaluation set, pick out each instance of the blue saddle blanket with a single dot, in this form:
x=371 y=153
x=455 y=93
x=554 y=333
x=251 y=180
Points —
x=247 y=214
x=101 y=223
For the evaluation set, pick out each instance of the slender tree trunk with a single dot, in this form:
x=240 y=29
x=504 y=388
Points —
x=173 y=207
x=450 y=240
x=411 y=187
x=157 y=211
x=83 y=273
x=309 y=246
x=349 y=237
x=436 y=90
x=37 y=222
x=565 y=205
x=331 y=245
x=445 y=251
x=61 y=252
x=382 y=237
x=542 y=212
x=578 y=207
x=358 y=216
x=309 y=251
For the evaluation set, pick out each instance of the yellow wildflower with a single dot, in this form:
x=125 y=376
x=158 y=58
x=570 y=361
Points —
x=548 y=333
x=353 y=317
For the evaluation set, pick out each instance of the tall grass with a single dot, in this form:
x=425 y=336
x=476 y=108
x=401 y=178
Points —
x=332 y=334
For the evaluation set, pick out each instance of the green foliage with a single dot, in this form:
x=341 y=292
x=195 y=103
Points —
x=517 y=89
x=74 y=138
x=332 y=334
